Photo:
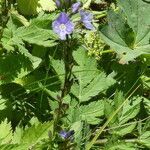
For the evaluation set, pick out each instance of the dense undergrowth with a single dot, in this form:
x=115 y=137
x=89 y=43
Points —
x=74 y=75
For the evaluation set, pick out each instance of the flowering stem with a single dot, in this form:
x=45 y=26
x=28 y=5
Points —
x=67 y=56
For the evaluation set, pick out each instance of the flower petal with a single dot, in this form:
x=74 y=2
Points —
x=75 y=7
x=63 y=18
x=69 y=27
x=88 y=25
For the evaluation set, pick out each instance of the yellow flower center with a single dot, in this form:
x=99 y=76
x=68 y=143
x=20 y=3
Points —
x=62 y=27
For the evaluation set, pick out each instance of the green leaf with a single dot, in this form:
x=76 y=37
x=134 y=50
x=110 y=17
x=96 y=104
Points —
x=17 y=135
x=2 y=103
x=109 y=109
x=32 y=34
x=28 y=7
x=92 y=111
x=121 y=146
x=128 y=29
x=90 y=80
x=123 y=130
x=59 y=67
x=35 y=35
x=12 y=147
x=77 y=127
x=12 y=70
x=36 y=133
x=147 y=105
x=6 y=132
x=144 y=139
x=119 y=123
x=46 y=5
x=130 y=110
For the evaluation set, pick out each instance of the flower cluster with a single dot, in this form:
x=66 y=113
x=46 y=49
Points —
x=63 y=26
x=94 y=44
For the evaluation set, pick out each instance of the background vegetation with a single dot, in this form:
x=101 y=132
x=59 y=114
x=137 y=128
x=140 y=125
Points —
x=90 y=91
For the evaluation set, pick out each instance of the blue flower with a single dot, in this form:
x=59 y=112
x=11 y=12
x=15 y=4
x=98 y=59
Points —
x=64 y=3
x=58 y=3
x=86 y=19
x=75 y=7
x=63 y=26
x=66 y=135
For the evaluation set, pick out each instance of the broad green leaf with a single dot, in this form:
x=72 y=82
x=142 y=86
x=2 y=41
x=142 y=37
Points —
x=13 y=36
x=15 y=15
x=12 y=70
x=44 y=21
x=36 y=133
x=92 y=111
x=130 y=110
x=144 y=139
x=90 y=80
x=59 y=68
x=12 y=147
x=46 y=5
x=123 y=130
x=6 y=132
x=35 y=35
x=128 y=29
x=147 y=105
x=28 y=7
x=17 y=135
x=108 y=110
x=2 y=103
x=77 y=127
x=121 y=146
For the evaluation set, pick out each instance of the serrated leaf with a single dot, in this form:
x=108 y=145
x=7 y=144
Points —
x=13 y=36
x=35 y=35
x=92 y=111
x=59 y=67
x=12 y=147
x=121 y=146
x=130 y=110
x=128 y=31
x=6 y=132
x=145 y=138
x=147 y=105
x=17 y=135
x=12 y=70
x=121 y=131
x=36 y=133
x=90 y=80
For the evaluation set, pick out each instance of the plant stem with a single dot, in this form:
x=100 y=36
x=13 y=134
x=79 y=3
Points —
x=103 y=141
x=67 y=56
x=107 y=51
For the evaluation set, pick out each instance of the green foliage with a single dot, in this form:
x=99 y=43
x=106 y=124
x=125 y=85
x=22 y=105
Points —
x=74 y=94
x=90 y=80
x=32 y=7
x=127 y=112
x=128 y=30
x=6 y=132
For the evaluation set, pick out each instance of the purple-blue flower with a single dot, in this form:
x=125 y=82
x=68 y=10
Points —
x=58 y=3
x=86 y=19
x=75 y=7
x=63 y=26
x=66 y=135
x=63 y=3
